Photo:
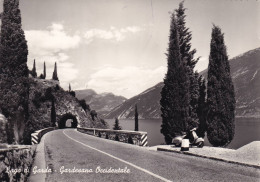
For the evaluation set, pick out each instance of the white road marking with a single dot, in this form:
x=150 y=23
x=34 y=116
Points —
x=133 y=165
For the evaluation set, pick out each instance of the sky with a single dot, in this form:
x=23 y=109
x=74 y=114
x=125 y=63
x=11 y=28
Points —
x=119 y=46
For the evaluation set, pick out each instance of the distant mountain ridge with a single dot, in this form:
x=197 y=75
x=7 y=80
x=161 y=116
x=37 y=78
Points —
x=81 y=94
x=102 y=103
x=245 y=72
x=148 y=103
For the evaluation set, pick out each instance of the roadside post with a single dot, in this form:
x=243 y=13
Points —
x=185 y=145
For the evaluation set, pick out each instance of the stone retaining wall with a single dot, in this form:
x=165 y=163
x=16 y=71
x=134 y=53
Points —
x=132 y=137
x=15 y=163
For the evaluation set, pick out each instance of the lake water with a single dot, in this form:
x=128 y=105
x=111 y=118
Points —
x=246 y=131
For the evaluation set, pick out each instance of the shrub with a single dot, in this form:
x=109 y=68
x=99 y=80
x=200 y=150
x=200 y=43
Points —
x=84 y=105
x=73 y=93
x=41 y=76
x=93 y=114
x=116 y=138
x=130 y=140
x=116 y=125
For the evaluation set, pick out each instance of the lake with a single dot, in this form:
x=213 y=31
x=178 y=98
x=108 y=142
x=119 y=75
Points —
x=246 y=131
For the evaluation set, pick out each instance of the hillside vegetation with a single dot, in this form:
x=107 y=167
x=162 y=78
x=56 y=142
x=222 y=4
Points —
x=40 y=102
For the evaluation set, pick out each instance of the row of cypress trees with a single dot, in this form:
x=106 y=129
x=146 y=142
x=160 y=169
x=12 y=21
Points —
x=183 y=98
x=43 y=76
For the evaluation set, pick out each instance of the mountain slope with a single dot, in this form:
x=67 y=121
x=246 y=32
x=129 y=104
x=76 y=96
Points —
x=148 y=103
x=245 y=71
x=41 y=94
x=84 y=94
x=102 y=103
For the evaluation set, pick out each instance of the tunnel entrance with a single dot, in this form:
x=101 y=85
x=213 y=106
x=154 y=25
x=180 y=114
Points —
x=68 y=121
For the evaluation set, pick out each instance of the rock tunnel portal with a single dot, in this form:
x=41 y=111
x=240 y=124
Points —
x=68 y=121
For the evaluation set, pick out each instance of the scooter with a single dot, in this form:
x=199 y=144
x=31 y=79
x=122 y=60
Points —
x=192 y=136
x=178 y=139
x=194 y=139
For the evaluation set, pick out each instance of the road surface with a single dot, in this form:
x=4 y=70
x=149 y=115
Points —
x=74 y=156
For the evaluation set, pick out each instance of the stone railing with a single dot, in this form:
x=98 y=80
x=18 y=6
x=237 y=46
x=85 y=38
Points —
x=132 y=137
x=37 y=135
x=15 y=163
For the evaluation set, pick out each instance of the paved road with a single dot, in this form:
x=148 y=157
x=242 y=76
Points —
x=69 y=149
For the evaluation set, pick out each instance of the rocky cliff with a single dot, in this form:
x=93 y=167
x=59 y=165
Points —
x=42 y=93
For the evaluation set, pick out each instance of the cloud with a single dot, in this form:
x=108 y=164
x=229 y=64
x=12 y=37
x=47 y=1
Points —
x=67 y=73
x=51 y=45
x=202 y=64
x=127 y=81
x=52 y=40
x=111 y=34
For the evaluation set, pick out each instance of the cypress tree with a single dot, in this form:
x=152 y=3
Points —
x=55 y=75
x=34 y=73
x=69 y=88
x=136 y=118
x=14 y=92
x=185 y=37
x=53 y=113
x=187 y=55
x=220 y=93
x=43 y=75
x=44 y=70
x=194 y=96
x=202 y=110
x=175 y=92
x=116 y=125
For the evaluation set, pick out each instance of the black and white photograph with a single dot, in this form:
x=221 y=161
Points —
x=129 y=90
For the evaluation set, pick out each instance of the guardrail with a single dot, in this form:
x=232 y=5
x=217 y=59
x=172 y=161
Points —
x=37 y=135
x=126 y=136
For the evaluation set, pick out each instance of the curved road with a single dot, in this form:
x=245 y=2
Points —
x=74 y=156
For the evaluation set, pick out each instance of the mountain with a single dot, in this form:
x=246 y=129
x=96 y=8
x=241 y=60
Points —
x=148 y=103
x=102 y=103
x=83 y=94
x=245 y=72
